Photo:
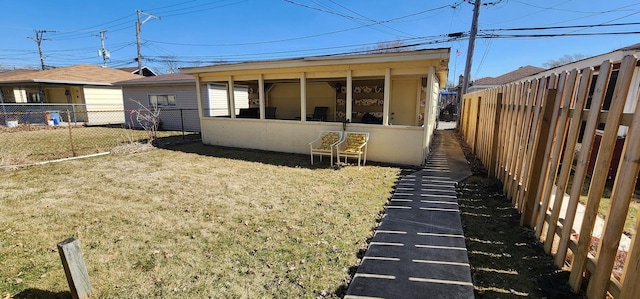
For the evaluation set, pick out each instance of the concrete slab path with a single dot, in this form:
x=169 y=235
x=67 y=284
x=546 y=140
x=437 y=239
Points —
x=418 y=250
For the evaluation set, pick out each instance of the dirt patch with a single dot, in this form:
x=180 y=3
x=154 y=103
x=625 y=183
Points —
x=506 y=259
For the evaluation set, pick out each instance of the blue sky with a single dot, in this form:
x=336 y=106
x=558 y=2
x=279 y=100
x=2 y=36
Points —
x=198 y=32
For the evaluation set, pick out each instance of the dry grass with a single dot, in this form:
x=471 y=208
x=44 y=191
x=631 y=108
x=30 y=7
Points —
x=32 y=143
x=192 y=222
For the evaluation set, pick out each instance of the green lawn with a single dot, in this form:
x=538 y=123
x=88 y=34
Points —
x=193 y=221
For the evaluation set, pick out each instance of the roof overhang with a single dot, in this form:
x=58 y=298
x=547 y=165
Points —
x=48 y=81
x=428 y=57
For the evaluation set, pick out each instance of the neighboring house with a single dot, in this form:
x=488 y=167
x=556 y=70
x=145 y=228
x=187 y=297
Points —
x=631 y=101
x=392 y=96
x=175 y=96
x=490 y=82
x=146 y=72
x=86 y=90
x=595 y=61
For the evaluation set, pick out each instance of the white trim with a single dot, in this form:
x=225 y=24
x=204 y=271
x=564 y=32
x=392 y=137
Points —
x=429 y=54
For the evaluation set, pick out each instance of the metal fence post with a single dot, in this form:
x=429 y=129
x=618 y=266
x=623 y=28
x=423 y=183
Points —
x=73 y=151
x=182 y=123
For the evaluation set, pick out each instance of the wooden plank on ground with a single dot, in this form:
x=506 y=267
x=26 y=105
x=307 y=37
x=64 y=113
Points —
x=623 y=187
x=567 y=160
x=583 y=159
x=603 y=159
x=74 y=268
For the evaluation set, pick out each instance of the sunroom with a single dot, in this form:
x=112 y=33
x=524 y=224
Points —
x=283 y=105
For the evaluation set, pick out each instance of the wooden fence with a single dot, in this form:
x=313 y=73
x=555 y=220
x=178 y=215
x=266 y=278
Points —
x=527 y=133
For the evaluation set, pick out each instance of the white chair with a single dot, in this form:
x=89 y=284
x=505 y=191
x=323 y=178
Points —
x=354 y=144
x=324 y=144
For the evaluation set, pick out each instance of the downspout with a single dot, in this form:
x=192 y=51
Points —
x=303 y=97
x=199 y=99
x=261 y=95
x=349 y=99
x=231 y=97
x=387 y=97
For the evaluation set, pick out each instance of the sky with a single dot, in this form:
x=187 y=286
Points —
x=182 y=33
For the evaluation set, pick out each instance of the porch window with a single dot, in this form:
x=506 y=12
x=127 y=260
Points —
x=162 y=100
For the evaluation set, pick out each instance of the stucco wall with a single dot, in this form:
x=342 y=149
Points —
x=390 y=144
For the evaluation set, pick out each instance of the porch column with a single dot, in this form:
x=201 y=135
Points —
x=349 y=99
x=428 y=116
x=261 y=95
x=303 y=97
x=231 y=97
x=387 y=96
x=199 y=98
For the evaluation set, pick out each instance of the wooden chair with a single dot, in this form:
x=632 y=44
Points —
x=324 y=144
x=354 y=144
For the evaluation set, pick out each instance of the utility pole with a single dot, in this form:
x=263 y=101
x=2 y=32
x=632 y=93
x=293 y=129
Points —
x=38 y=39
x=138 y=28
x=103 y=52
x=472 y=42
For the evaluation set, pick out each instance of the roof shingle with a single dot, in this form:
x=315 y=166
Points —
x=76 y=74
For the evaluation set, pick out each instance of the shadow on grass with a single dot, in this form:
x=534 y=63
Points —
x=193 y=145
x=42 y=294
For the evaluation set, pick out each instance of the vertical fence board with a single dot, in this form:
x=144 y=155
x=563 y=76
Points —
x=567 y=161
x=583 y=159
x=527 y=139
x=605 y=152
x=549 y=134
x=557 y=143
x=516 y=127
x=526 y=133
x=520 y=139
x=539 y=159
x=599 y=281
x=533 y=139
x=496 y=128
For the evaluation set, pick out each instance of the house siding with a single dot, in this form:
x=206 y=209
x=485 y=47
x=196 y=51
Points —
x=170 y=115
x=104 y=105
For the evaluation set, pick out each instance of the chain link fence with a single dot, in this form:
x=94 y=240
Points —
x=37 y=133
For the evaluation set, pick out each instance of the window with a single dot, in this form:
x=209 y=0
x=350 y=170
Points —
x=162 y=100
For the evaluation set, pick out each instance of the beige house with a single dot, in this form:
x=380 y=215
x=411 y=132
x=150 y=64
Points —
x=392 y=96
x=85 y=89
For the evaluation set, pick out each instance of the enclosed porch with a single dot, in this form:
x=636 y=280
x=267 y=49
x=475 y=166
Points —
x=283 y=105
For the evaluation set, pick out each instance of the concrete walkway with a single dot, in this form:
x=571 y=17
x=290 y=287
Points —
x=419 y=250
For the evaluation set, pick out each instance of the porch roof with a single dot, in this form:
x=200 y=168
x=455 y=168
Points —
x=414 y=62
x=81 y=74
